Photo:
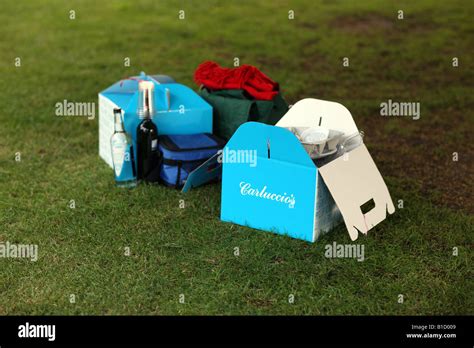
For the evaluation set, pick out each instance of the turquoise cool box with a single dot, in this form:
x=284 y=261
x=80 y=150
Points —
x=179 y=110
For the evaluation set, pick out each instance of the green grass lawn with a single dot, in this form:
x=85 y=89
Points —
x=190 y=251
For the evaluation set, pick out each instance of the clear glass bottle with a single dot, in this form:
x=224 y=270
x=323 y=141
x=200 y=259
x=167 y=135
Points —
x=122 y=154
x=148 y=154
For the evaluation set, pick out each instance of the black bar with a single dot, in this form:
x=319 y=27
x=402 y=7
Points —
x=252 y=329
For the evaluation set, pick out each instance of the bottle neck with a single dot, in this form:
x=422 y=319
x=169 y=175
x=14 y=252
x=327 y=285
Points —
x=144 y=116
x=146 y=100
x=118 y=124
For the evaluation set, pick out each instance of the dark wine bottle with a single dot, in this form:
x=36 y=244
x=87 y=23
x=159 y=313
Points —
x=148 y=154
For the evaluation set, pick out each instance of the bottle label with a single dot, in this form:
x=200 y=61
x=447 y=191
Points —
x=154 y=145
x=122 y=159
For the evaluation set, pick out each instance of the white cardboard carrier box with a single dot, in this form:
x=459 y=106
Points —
x=352 y=180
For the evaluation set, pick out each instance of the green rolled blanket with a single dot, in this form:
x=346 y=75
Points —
x=232 y=107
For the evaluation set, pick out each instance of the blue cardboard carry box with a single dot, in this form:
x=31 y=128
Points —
x=179 y=110
x=285 y=192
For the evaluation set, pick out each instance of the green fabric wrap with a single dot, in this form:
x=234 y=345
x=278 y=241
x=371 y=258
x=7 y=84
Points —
x=232 y=107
